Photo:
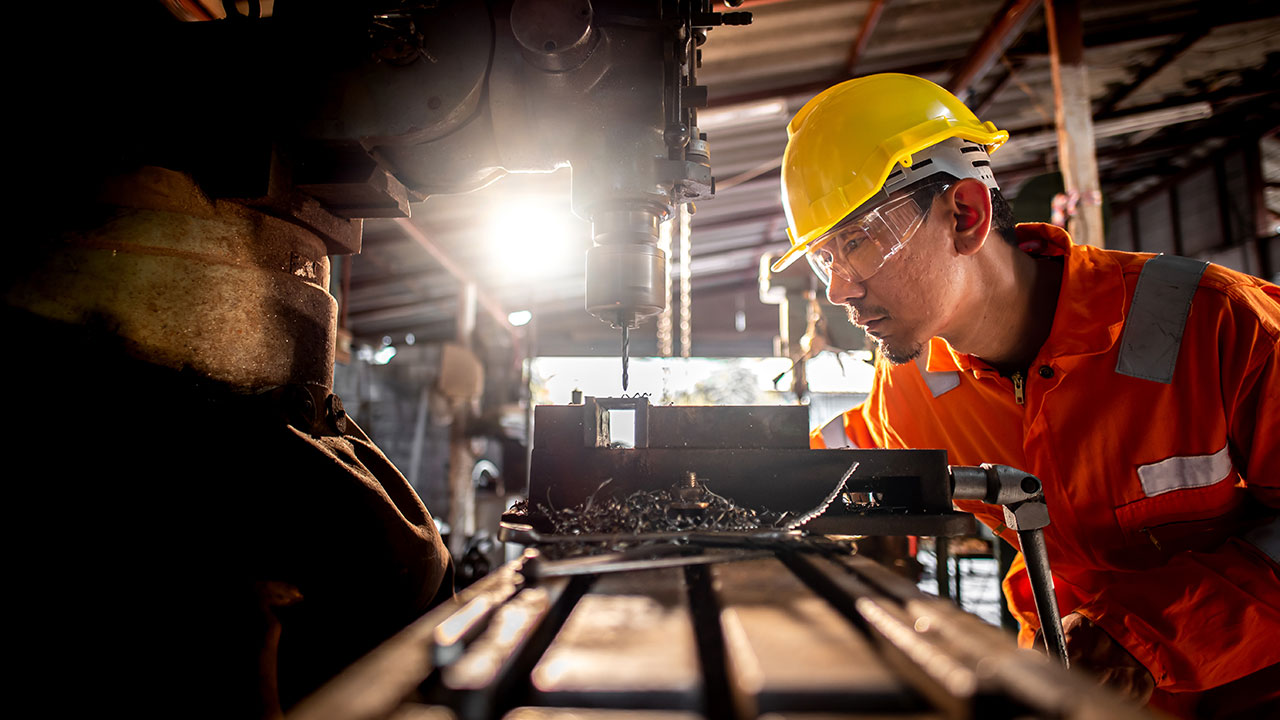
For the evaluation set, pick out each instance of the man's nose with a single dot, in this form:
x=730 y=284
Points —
x=841 y=291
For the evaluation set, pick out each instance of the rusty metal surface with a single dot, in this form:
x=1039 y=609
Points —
x=236 y=295
x=771 y=620
x=629 y=643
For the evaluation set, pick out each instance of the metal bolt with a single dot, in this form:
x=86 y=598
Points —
x=335 y=414
x=299 y=407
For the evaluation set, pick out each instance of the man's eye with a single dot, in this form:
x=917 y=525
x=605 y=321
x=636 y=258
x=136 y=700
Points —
x=824 y=256
x=852 y=241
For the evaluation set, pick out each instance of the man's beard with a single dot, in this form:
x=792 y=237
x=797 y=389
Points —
x=894 y=353
x=899 y=355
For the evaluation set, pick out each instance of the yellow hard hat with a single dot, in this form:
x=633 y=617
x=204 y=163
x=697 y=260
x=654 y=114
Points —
x=843 y=144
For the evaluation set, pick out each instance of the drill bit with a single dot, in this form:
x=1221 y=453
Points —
x=626 y=343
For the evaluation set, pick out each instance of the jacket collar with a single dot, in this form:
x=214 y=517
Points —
x=1091 y=302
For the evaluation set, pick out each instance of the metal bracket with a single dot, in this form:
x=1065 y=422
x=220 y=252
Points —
x=595 y=419
x=1025 y=512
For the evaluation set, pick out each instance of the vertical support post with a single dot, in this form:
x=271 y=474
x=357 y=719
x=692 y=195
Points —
x=1073 y=115
x=1257 y=189
x=942 y=551
x=462 y=492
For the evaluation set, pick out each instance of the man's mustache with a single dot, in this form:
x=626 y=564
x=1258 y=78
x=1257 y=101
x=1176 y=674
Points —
x=856 y=314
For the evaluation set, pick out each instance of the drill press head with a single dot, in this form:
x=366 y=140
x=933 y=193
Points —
x=626 y=270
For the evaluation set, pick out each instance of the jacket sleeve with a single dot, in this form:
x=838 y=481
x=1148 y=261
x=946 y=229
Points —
x=1207 y=618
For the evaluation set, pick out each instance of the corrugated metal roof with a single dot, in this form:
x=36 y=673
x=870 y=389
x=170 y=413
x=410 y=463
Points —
x=792 y=50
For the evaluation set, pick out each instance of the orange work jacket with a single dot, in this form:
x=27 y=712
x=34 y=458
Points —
x=1162 y=496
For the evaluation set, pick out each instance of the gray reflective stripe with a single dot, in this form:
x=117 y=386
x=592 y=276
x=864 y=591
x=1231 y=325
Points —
x=1181 y=473
x=1267 y=539
x=938 y=382
x=1157 y=317
x=834 y=436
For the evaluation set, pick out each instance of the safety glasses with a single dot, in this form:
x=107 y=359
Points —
x=857 y=248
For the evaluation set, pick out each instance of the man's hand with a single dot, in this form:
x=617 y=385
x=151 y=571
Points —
x=1091 y=649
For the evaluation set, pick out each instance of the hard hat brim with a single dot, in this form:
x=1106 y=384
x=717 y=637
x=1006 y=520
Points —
x=993 y=139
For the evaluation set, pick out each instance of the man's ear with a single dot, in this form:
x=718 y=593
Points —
x=970 y=205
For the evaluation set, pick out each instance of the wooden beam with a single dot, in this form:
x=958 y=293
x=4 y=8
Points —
x=1073 y=114
x=864 y=36
x=1004 y=29
x=982 y=104
x=1170 y=54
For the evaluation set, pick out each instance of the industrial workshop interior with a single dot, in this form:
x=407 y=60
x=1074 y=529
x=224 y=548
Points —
x=632 y=359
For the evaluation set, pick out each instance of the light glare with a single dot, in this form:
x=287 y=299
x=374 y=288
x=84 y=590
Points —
x=533 y=240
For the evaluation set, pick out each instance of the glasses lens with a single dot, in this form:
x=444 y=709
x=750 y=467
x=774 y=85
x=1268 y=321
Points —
x=857 y=249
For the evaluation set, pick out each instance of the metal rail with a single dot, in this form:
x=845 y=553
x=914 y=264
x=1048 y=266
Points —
x=805 y=625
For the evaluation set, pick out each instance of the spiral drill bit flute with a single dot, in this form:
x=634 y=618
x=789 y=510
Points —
x=626 y=351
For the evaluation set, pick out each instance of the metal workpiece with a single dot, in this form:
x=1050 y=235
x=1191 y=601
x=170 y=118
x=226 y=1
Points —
x=757 y=457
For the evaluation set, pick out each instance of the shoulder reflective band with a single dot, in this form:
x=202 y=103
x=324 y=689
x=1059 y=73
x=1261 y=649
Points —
x=834 y=436
x=1157 y=317
x=1267 y=539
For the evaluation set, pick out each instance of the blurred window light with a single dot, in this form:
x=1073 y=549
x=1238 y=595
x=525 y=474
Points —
x=381 y=356
x=520 y=317
x=535 y=239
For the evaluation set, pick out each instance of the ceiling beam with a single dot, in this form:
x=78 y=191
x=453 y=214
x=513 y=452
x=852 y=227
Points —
x=869 y=23
x=1005 y=28
x=981 y=104
x=1131 y=28
x=485 y=301
x=1170 y=54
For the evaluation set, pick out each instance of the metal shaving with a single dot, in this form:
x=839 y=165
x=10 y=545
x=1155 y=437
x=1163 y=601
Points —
x=831 y=497
x=651 y=511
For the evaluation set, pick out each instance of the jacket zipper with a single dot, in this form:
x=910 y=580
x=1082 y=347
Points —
x=1019 y=386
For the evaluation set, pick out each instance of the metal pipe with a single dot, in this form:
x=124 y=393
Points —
x=864 y=35
x=491 y=306
x=1005 y=27
x=1037 y=557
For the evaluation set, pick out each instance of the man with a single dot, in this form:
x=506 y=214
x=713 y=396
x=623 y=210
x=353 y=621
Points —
x=1144 y=393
